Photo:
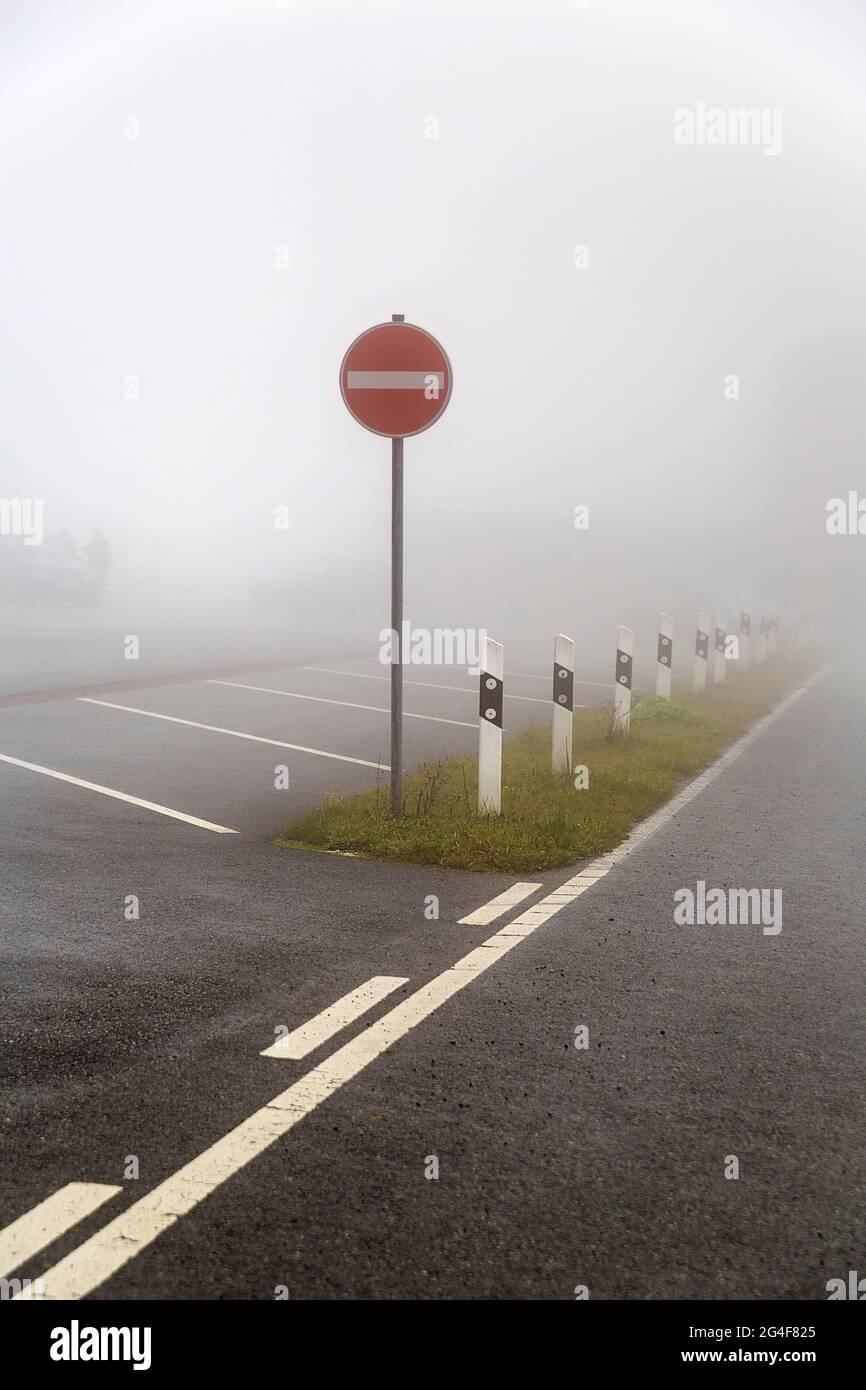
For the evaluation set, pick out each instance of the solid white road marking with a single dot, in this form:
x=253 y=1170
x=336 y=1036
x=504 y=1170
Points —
x=234 y=733
x=118 y=796
x=347 y=704
x=49 y=1220
x=394 y=381
x=488 y=912
x=98 y=1258
x=335 y=1018
x=428 y=685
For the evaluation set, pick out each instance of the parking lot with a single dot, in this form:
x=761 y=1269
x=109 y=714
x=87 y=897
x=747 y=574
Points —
x=209 y=751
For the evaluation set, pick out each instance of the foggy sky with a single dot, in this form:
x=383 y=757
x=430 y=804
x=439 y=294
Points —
x=263 y=125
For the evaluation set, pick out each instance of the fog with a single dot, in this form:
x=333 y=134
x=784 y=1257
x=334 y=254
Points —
x=203 y=204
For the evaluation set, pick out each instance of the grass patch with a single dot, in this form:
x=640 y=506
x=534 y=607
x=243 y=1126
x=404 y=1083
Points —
x=545 y=822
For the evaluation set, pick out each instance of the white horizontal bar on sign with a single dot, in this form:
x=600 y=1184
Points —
x=495 y=908
x=333 y=1019
x=395 y=381
x=45 y=1223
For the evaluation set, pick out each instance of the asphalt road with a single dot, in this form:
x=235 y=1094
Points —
x=557 y=1167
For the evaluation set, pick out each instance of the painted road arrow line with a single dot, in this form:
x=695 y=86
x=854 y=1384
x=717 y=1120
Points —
x=45 y=1223
x=335 y=1018
x=97 y=1259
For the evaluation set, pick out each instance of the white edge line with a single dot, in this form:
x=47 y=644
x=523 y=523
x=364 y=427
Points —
x=100 y=1257
x=119 y=796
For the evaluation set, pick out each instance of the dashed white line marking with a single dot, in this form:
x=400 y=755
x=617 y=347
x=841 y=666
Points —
x=44 y=1223
x=347 y=704
x=335 y=1018
x=234 y=733
x=488 y=912
x=428 y=685
x=98 y=1258
x=118 y=796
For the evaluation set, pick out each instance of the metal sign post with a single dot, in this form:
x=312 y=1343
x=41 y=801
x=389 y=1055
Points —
x=396 y=380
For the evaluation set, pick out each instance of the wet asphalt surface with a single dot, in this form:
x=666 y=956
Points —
x=557 y=1166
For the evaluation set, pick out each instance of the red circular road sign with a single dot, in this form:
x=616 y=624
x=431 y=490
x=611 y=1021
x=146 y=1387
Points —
x=396 y=379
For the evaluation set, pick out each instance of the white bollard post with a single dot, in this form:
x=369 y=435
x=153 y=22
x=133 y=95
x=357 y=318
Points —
x=719 y=657
x=490 y=730
x=745 y=640
x=622 y=693
x=563 y=701
x=702 y=649
x=761 y=654
x=665 y=656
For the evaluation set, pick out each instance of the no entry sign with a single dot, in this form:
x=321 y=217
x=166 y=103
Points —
x=396 y=379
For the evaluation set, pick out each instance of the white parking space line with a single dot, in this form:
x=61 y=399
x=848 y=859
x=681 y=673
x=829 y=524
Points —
x=347 y=704
x=489 y=912
x=678 y=667
x=335 y=1018
x=119 y=796
x=234 y=733
x=49 y=1220
x=428 y=685
x=131 y=1232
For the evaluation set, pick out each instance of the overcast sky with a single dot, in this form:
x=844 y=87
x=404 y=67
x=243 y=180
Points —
x=155 y=156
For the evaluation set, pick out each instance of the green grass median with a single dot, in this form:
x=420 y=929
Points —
x=546 y=822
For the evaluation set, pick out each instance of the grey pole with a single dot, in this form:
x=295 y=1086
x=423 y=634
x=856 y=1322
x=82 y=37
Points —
x=397 y=619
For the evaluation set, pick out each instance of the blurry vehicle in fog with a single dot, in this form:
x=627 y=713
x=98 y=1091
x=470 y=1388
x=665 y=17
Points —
x=56 y=572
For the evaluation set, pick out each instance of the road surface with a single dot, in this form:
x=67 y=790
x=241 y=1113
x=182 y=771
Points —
x=135 y=1046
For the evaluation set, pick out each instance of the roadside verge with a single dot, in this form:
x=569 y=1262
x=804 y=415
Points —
x=549 y=820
